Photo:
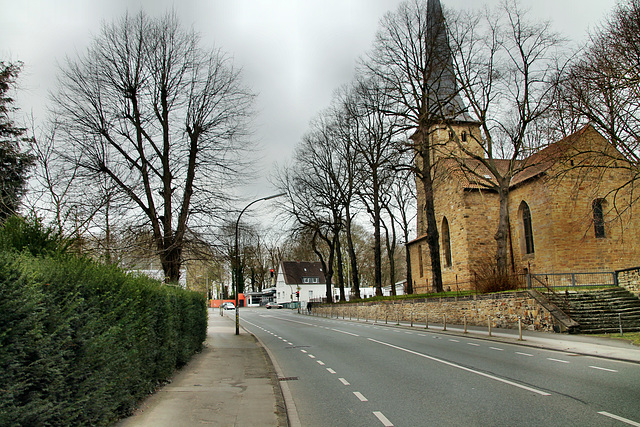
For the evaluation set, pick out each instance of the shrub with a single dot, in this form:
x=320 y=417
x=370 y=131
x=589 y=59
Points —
x=19 y=234
x=486 y=279
x=81 y=343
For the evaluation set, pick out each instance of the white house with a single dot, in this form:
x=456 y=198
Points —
x=304 y=277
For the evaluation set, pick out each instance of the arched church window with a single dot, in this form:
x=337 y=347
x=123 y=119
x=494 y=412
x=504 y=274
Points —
x=527 y=229
x=598 y=218
x=446 y=242
x=463 y=136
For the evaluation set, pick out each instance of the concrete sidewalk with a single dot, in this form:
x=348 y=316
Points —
x=230 y=383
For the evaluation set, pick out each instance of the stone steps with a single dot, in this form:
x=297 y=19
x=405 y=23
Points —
x=601 y=311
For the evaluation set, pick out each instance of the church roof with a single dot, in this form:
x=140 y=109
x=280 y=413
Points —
x=530 y=167
x=442 y=90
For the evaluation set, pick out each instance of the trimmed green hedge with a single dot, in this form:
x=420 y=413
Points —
x=81 y=343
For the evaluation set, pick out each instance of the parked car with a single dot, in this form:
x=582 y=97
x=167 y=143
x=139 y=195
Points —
x=273 y=305
x=228 y=306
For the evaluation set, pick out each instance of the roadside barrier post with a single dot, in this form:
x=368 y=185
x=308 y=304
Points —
x=465 y=323
x=426 y=319
x=489 y=322
x=520 y=328
x=444 y=321
x=620 y=323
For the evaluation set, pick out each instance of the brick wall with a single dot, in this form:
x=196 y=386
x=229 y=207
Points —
x=503 y=309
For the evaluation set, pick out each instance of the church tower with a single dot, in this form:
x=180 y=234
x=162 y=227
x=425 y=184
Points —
x=455 y=131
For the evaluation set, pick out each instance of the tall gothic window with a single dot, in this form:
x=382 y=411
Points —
x=527 y=229
x=446 y=242
x=598 y=218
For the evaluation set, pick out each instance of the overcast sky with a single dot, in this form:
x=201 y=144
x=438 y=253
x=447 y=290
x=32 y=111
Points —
x=294 y=53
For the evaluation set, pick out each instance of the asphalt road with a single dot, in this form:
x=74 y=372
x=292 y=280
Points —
x=343 y=373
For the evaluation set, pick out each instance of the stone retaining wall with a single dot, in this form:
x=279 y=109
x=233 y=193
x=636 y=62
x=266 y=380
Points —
x=630 y=280
x=503 y=310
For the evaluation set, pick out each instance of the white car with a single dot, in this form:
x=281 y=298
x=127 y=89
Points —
x=273 y=305
x=228 y=306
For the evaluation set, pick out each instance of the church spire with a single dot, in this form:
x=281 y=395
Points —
x=443 y=95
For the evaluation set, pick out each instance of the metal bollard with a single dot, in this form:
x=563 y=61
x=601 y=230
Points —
x=426 y=320
x=489 y=321
x=465 y=323
x=444 y=317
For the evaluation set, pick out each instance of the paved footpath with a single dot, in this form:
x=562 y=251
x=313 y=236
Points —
x=232 y=382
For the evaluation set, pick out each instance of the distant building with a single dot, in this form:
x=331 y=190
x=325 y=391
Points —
x=304 y=277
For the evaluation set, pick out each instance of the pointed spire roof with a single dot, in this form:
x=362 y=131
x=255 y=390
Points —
x=443 y=93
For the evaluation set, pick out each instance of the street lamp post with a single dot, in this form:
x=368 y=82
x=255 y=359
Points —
x=237 y=258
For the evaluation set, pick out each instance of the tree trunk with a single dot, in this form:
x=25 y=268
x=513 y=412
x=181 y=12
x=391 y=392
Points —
x=171 y=259
x=502 y=233
x=433 y=237
x=355 y=278
x=339 y=265
x=377 y=250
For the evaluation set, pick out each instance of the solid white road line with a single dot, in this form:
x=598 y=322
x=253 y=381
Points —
x=453 y=365
x=384 y=420
x=603 y=369
x=345 y=332
x=616 y=417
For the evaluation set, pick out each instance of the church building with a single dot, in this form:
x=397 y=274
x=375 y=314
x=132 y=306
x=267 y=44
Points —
x=568 y=207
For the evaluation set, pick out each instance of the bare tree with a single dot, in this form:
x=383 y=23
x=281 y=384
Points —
x=505 y=65
x=412 y=60
x=377 y=155
x=313 y=198
x=162 y=119
x=601 y=86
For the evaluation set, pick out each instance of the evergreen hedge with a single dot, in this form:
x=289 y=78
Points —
x=81 y=342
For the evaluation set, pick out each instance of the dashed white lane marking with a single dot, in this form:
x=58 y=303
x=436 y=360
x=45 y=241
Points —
x=496 y=348
x=311 y=356
x=524 y=354
x=384 y=420
x=304 y=351
x=453 y=340
x=464 y=368
x=360 y=396
x=557 y=360
x=603 y=369
x=320 y=362
x=619 y=418
x=473 y=344
x=331 y=371
x=343 y=381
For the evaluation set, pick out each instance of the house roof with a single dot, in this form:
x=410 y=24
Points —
x=295 y=271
